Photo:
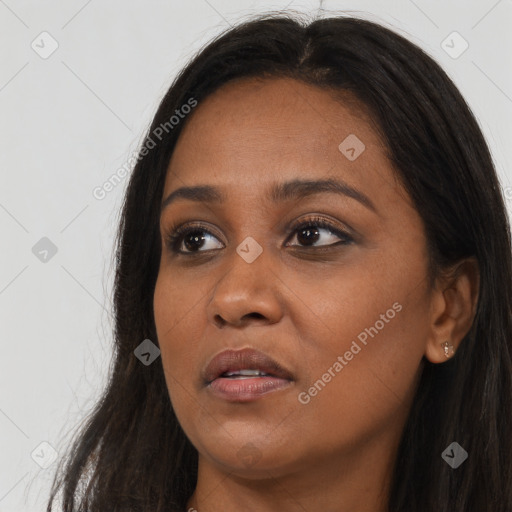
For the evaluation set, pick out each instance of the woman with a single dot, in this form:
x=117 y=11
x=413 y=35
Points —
x=313 y=289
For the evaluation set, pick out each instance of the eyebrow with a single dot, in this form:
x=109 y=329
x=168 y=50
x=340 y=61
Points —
x=279 y=192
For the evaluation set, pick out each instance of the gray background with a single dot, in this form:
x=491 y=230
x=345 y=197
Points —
x=70 y=120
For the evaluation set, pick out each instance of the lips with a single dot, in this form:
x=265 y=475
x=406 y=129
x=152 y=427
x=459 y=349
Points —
x=233 y=361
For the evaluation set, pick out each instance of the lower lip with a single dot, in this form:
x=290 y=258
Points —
x=246 y=390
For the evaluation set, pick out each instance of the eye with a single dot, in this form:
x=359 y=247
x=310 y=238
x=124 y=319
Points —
x=196 y=238
x=309 y=232
x=190 y=237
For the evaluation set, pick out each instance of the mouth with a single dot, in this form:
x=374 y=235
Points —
x=245 y=375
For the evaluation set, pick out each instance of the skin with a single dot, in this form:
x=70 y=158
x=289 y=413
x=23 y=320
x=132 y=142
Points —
x=303 y=308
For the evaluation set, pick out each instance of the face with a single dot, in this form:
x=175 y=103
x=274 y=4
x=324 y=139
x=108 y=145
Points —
x=328 y=281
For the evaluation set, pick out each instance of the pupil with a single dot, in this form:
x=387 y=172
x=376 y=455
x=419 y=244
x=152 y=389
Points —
x=308 y=235
x=192 y=239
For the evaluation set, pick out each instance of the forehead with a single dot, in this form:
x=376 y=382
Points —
x=253 y=131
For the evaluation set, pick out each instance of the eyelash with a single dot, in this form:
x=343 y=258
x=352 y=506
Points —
x=175 y=236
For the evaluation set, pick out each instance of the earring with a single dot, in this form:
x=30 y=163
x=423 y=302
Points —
x=448 y=348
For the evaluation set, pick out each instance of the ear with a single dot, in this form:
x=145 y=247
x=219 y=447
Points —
x=453 y=309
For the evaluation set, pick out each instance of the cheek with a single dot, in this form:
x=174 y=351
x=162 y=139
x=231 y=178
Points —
x=177 y=302
x=362 y=346
x=179 y=329
x=361 y=382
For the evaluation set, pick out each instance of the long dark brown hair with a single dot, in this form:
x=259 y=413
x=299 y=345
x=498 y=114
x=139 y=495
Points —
x=132 y=453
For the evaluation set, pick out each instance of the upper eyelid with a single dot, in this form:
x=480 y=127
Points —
x=322 y=222
x=314 y=218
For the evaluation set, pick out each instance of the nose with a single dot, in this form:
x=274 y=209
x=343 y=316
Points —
x=246 y=292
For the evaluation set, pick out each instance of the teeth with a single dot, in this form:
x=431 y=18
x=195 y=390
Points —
x=245 y=373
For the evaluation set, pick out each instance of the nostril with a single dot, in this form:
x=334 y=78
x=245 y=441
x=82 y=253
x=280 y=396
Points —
x=220 y=321
x=254 y=315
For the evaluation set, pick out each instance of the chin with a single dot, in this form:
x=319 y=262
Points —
x=249 y=458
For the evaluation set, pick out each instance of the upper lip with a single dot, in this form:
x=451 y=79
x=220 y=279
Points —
x=243 y=359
